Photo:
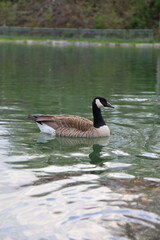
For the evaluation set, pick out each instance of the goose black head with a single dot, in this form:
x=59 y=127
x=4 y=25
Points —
x=101 y=102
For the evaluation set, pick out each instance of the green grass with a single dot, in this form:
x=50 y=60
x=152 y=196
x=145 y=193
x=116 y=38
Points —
x=103 y=41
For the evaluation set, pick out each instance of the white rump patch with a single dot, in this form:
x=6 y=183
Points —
x=46 y=129
x=98 y=103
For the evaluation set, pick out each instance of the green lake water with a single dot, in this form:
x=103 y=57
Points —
x=56 y=188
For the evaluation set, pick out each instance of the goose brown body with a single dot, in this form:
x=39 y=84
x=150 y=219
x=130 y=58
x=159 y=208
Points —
x=73 y=126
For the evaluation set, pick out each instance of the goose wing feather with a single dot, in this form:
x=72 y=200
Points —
x=65 y=121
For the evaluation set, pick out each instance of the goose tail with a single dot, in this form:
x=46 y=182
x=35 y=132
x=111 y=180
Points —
x=34 y=116
x=44 y=127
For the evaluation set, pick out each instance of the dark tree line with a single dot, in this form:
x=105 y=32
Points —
x=81 y=13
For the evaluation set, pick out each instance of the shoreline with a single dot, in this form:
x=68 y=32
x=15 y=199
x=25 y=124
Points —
x=82 y=43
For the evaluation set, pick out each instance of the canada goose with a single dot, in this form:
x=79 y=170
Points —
x=75 y=126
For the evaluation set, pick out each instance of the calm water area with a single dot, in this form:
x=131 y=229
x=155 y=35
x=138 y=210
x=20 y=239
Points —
x=59 y=188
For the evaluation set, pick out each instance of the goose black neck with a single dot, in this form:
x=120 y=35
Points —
x=97 y=116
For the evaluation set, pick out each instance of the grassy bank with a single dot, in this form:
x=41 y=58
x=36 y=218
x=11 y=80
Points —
x=100 y=41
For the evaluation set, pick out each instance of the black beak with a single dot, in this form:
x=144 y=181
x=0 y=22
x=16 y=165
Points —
x=109 y=105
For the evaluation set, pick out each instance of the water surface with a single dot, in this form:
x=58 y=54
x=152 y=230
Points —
x=56 y=188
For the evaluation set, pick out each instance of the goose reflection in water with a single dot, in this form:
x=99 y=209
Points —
x=73 y=144
x=95 y=156
x=69 y=141
x=132 y=189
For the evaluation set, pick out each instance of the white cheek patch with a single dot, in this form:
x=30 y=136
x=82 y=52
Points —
x=98 y=103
